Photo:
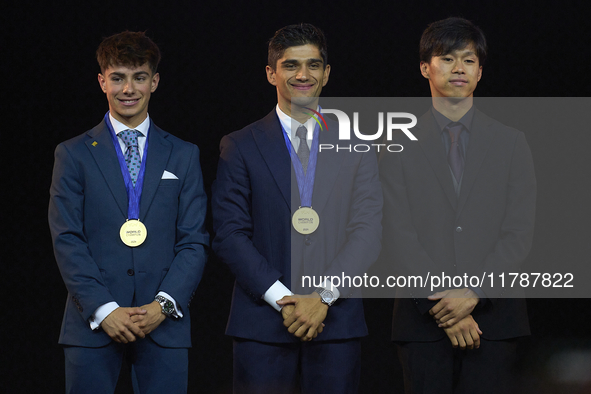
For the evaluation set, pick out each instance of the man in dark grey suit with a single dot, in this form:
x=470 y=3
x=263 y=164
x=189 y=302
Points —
x=460 y=200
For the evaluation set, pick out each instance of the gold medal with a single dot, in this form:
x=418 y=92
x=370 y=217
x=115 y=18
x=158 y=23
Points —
x=133 y=233
x=305 y=220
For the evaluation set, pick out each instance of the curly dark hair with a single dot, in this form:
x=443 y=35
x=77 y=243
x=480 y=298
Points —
x=128 y=49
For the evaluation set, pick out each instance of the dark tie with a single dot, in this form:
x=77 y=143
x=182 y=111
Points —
x=303 y=150
x=132 y=153
x=455 y=158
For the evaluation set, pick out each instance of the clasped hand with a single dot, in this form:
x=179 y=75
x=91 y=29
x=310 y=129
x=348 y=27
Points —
x=465 y=333
x=453 y=306
x=125 y=325
x=453 y=314
x=303 y=315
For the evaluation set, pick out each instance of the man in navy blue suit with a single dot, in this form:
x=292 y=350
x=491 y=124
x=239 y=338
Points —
x=126 y=214
x=311 y=341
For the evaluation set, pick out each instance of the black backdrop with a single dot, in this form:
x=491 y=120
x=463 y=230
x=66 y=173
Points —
x=213 y=82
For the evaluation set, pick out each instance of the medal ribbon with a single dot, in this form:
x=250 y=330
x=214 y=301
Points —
x=305 y=181
x=134 y=194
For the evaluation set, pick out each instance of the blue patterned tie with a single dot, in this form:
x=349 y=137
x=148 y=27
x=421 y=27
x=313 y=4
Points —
x=132 y=153
x=455 y=158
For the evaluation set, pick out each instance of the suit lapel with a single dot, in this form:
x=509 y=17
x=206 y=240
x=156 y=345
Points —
x=101 y=147
x=327 y=167
x=271 y=144
x=481 y=137
x=157 y=157
x=430 y=142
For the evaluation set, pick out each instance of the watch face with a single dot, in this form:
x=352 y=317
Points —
x=327 y=296
x=168 y=307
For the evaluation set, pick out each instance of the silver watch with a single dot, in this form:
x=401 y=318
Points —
x=326 y=296
x=166 y=304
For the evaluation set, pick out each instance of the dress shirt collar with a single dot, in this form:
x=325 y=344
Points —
x=287 y=122
x=443 y=121
x=119 y=127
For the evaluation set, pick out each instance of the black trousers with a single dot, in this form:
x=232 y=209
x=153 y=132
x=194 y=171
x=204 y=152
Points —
x=438 y=368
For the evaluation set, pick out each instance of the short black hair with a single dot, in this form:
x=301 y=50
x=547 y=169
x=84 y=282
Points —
x=296 y=35
x=448 y=35
x=128 y=49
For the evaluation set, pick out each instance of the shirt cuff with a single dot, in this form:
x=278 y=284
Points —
x=101 y=312
x=276 y=292
x=335 y=291
x=177 y=310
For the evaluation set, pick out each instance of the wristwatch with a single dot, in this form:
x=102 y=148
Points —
x=167 y=305
x=326 y=296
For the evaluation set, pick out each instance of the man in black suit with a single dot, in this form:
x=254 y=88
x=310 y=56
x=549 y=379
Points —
x=460 y=200
x=284 y=341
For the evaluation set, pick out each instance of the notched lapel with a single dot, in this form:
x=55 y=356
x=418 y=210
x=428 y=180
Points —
x=268 y=136
x=158 y=154
x=480 y=140
x=430 y=141
x=327 y=169
x=101 y=147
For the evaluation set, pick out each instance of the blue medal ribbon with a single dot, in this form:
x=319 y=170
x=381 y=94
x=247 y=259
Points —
x=134 y=194
x=305 y=181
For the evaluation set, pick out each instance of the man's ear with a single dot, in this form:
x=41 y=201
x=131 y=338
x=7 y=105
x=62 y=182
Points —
x=102 y=82
x=155 y=81
x=271 y=75
x=325 y=75
x=425 y=69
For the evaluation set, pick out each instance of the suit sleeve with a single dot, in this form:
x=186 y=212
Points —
x=233 y=223
x=79 y=271
x=192 y=239
x=403 y=244
x=517 y=229
x=363 y=228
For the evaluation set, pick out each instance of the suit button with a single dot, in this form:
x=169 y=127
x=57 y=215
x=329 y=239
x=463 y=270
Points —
x=130 y=272
x=77 y=303
x=458 y=229
x=308 y=242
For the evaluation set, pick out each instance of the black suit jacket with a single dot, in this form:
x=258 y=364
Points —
x=254 y=196
x=488 y=228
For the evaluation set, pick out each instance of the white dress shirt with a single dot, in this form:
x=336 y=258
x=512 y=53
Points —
x=278 y=290
x=106 y=309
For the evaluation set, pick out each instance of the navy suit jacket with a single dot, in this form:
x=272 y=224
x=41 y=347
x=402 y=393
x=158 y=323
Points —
x=254 y=196
x=87 y=207
x=488 y=228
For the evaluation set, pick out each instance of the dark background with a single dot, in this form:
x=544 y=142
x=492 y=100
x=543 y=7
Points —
x=213 y=82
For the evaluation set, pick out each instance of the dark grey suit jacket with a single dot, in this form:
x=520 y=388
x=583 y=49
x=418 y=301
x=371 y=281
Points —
x=488 y=228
